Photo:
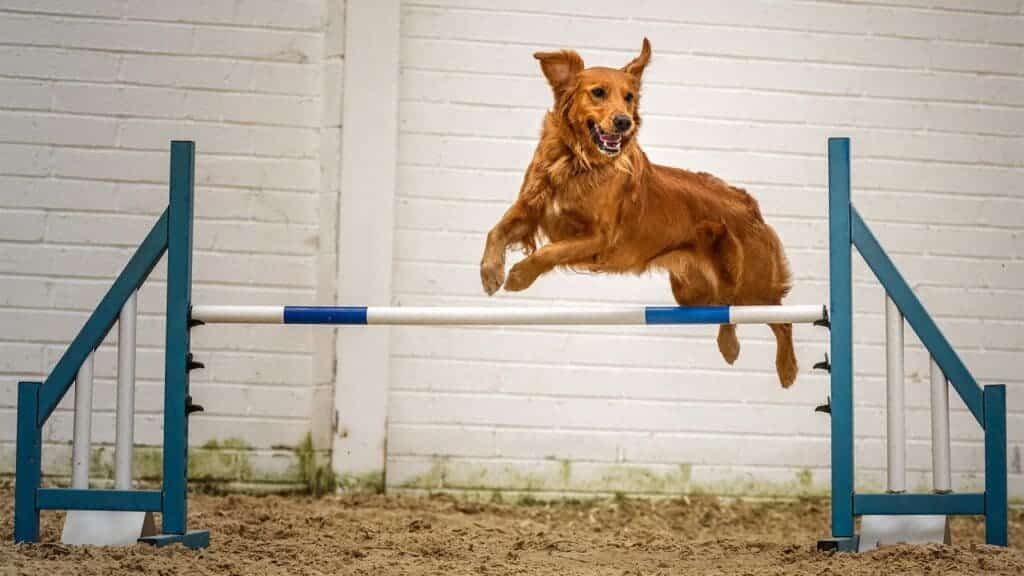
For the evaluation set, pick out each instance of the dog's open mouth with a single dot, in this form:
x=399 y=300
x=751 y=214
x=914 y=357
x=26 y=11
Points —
x=610 y=144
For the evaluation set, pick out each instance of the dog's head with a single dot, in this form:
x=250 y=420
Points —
x=597 y=107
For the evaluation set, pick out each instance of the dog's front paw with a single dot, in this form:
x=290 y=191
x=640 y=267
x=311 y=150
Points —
x=492 y=275
x=520 y=277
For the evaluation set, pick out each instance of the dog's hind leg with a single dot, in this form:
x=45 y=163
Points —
x=728 y=344
x=710 y=275
x=785 y=357
x=694 y=282
x=725 y=251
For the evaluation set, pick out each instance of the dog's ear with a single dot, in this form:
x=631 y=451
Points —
x=637 y=65
x=560 y=68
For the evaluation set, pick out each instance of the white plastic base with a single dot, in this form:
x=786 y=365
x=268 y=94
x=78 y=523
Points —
x=876 y=531
x=107 y=528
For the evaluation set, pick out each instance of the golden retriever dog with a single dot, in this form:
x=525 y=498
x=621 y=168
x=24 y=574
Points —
x=601 y=206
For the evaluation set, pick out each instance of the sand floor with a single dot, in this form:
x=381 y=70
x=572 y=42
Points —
x=252 y=535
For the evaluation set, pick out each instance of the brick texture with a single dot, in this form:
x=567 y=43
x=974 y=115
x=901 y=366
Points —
x=931 y=92
x=92 y=94
x=932 y=95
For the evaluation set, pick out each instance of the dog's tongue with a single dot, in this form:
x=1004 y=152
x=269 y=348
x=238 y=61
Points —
x=611 y=138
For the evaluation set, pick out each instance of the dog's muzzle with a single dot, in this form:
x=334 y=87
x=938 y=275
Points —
x=610 y=144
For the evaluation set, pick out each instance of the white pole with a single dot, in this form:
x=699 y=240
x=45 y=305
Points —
x=83 y=425
x=501 y=316
x=784 y=314
x=425 y=315
x=106 y=527
x=896 y=430
x=238 y=314
x=125 y=394
x=941 y=475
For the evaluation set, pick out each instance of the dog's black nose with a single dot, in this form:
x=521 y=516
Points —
x=622 y=122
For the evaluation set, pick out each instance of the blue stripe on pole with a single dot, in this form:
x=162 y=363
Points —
x=325 y=314
x=686 y=314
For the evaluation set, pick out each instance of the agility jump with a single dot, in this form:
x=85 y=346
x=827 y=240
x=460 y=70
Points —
x=172 y=234
x=505 y=316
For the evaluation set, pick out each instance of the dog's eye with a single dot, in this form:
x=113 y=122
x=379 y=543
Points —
x=629 y=96
x=597 y=92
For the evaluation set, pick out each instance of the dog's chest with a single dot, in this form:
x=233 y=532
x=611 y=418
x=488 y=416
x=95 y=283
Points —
x=575 y=209
x=564 y=219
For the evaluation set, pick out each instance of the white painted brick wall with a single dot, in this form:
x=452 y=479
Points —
x=932 y=94
x=91 y=93
x=931 y=91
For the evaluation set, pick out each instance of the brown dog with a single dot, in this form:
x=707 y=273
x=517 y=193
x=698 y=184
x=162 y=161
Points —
x=592 y=193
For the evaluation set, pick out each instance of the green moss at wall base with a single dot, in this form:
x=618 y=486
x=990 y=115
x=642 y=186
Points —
x=315 y=474
x=369 y=483
x=562 y=477
x=228 y=464
x=231 y=464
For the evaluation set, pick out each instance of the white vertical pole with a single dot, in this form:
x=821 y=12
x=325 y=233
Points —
x=83 y=425
x=107 y=527
x=125 y=394
x=941 y=475
x=896 y=429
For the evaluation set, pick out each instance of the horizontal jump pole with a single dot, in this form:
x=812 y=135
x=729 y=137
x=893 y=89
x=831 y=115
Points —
x=506 y=316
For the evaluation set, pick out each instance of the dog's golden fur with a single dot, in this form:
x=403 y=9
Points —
x=602 y=206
